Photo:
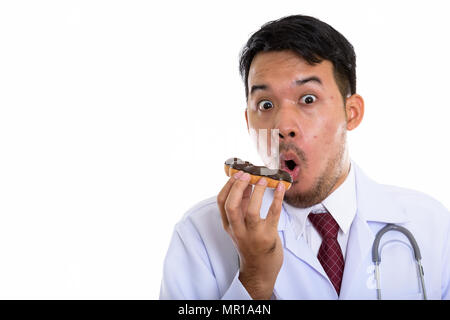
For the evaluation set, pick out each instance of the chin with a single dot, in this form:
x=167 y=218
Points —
x=307 y=194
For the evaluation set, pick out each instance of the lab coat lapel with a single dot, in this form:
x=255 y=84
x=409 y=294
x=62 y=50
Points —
x=297 y=247
x=375 y=201
x=359 y=246
x=302 y=251
x=375 y=208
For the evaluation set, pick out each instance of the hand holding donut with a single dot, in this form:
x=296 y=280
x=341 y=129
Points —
x=256 y=239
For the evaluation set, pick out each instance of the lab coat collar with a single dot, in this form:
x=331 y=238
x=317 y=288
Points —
x=374 y=203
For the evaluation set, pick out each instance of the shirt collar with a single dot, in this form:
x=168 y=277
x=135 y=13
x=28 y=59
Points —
x=341 y=204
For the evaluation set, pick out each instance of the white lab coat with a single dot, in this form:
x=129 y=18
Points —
x=202 y=262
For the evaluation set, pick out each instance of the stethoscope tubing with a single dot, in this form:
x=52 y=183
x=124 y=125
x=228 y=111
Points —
x=376 y=255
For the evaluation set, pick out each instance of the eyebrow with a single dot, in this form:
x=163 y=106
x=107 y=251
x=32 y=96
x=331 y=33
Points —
x=309 y=79
x=297 y=82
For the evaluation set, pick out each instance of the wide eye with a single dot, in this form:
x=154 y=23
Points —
x=308 y=99
x=265 y=105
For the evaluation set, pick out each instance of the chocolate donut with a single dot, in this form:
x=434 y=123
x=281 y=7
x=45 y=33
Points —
x=273 y=176
x=236 y=164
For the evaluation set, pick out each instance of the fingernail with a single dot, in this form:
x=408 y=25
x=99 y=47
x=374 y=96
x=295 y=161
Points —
x=262 y=182
x=280 y=186
x=245 y=177
x=238 y=174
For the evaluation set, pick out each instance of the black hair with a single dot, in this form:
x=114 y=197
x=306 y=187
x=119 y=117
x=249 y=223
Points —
x=312 y=39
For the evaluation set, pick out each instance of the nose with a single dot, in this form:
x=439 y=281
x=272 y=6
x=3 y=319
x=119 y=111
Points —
x=290 y=134
x=287 y=123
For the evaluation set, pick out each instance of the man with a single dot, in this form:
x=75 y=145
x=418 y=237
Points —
x=314 y=240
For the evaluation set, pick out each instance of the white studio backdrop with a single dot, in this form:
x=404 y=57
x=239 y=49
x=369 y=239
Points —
x=116 y=117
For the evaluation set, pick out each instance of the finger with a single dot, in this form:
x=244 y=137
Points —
x=233 y=203
x=222 y=197
x=273 y=216
x=246 y=198
x=252 y=217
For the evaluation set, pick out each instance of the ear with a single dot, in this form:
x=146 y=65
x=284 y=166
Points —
x=354 y=111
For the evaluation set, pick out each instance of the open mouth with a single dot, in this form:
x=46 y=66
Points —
x=289 y=162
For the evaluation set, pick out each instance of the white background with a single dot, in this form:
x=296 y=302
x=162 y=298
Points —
x=116 y=117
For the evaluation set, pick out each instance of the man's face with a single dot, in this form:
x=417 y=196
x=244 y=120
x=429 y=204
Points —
x=304 y=103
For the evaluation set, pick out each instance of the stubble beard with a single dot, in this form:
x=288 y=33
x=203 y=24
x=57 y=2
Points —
x=324 y=183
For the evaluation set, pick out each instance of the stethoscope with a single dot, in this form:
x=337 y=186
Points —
x=376 y=256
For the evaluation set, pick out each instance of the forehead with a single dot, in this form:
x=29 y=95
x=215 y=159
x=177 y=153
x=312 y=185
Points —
x=285 y=66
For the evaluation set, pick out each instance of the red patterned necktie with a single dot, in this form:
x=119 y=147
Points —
x=330 y=253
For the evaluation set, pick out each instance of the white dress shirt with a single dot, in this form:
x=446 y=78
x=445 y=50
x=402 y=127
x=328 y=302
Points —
x=341 y=204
